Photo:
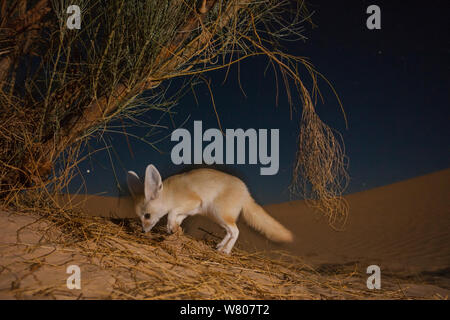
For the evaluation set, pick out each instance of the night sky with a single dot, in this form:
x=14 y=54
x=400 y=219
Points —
x=393 y=83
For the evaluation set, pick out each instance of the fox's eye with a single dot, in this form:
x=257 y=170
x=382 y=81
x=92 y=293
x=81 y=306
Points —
x=147 y=216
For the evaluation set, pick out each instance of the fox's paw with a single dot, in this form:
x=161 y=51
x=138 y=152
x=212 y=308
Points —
x=175 y=228
x=178 y=230
x=220 y=246
x=222 y=249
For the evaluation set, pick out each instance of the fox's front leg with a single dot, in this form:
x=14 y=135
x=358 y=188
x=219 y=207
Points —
x=176 y=216
x=174 y=222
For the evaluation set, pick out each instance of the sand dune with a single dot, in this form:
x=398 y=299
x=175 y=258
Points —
x=403 y=226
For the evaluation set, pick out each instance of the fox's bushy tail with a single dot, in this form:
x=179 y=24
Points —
x=259 y=219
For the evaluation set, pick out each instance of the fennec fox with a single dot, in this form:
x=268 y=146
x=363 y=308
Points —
x=209 y=192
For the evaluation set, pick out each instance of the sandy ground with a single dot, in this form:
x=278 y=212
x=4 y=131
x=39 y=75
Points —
x=403 y=228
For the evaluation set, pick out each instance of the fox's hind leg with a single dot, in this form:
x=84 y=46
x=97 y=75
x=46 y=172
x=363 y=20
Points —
x=226 y=210
x=232 y=234
x=228 y=222
x=224 y=241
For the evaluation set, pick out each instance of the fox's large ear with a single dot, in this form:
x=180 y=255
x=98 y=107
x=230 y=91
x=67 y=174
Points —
x=135 y=184
x=153 y=183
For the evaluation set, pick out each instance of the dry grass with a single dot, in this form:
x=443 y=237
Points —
x=320 y=168
x=175 y=266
